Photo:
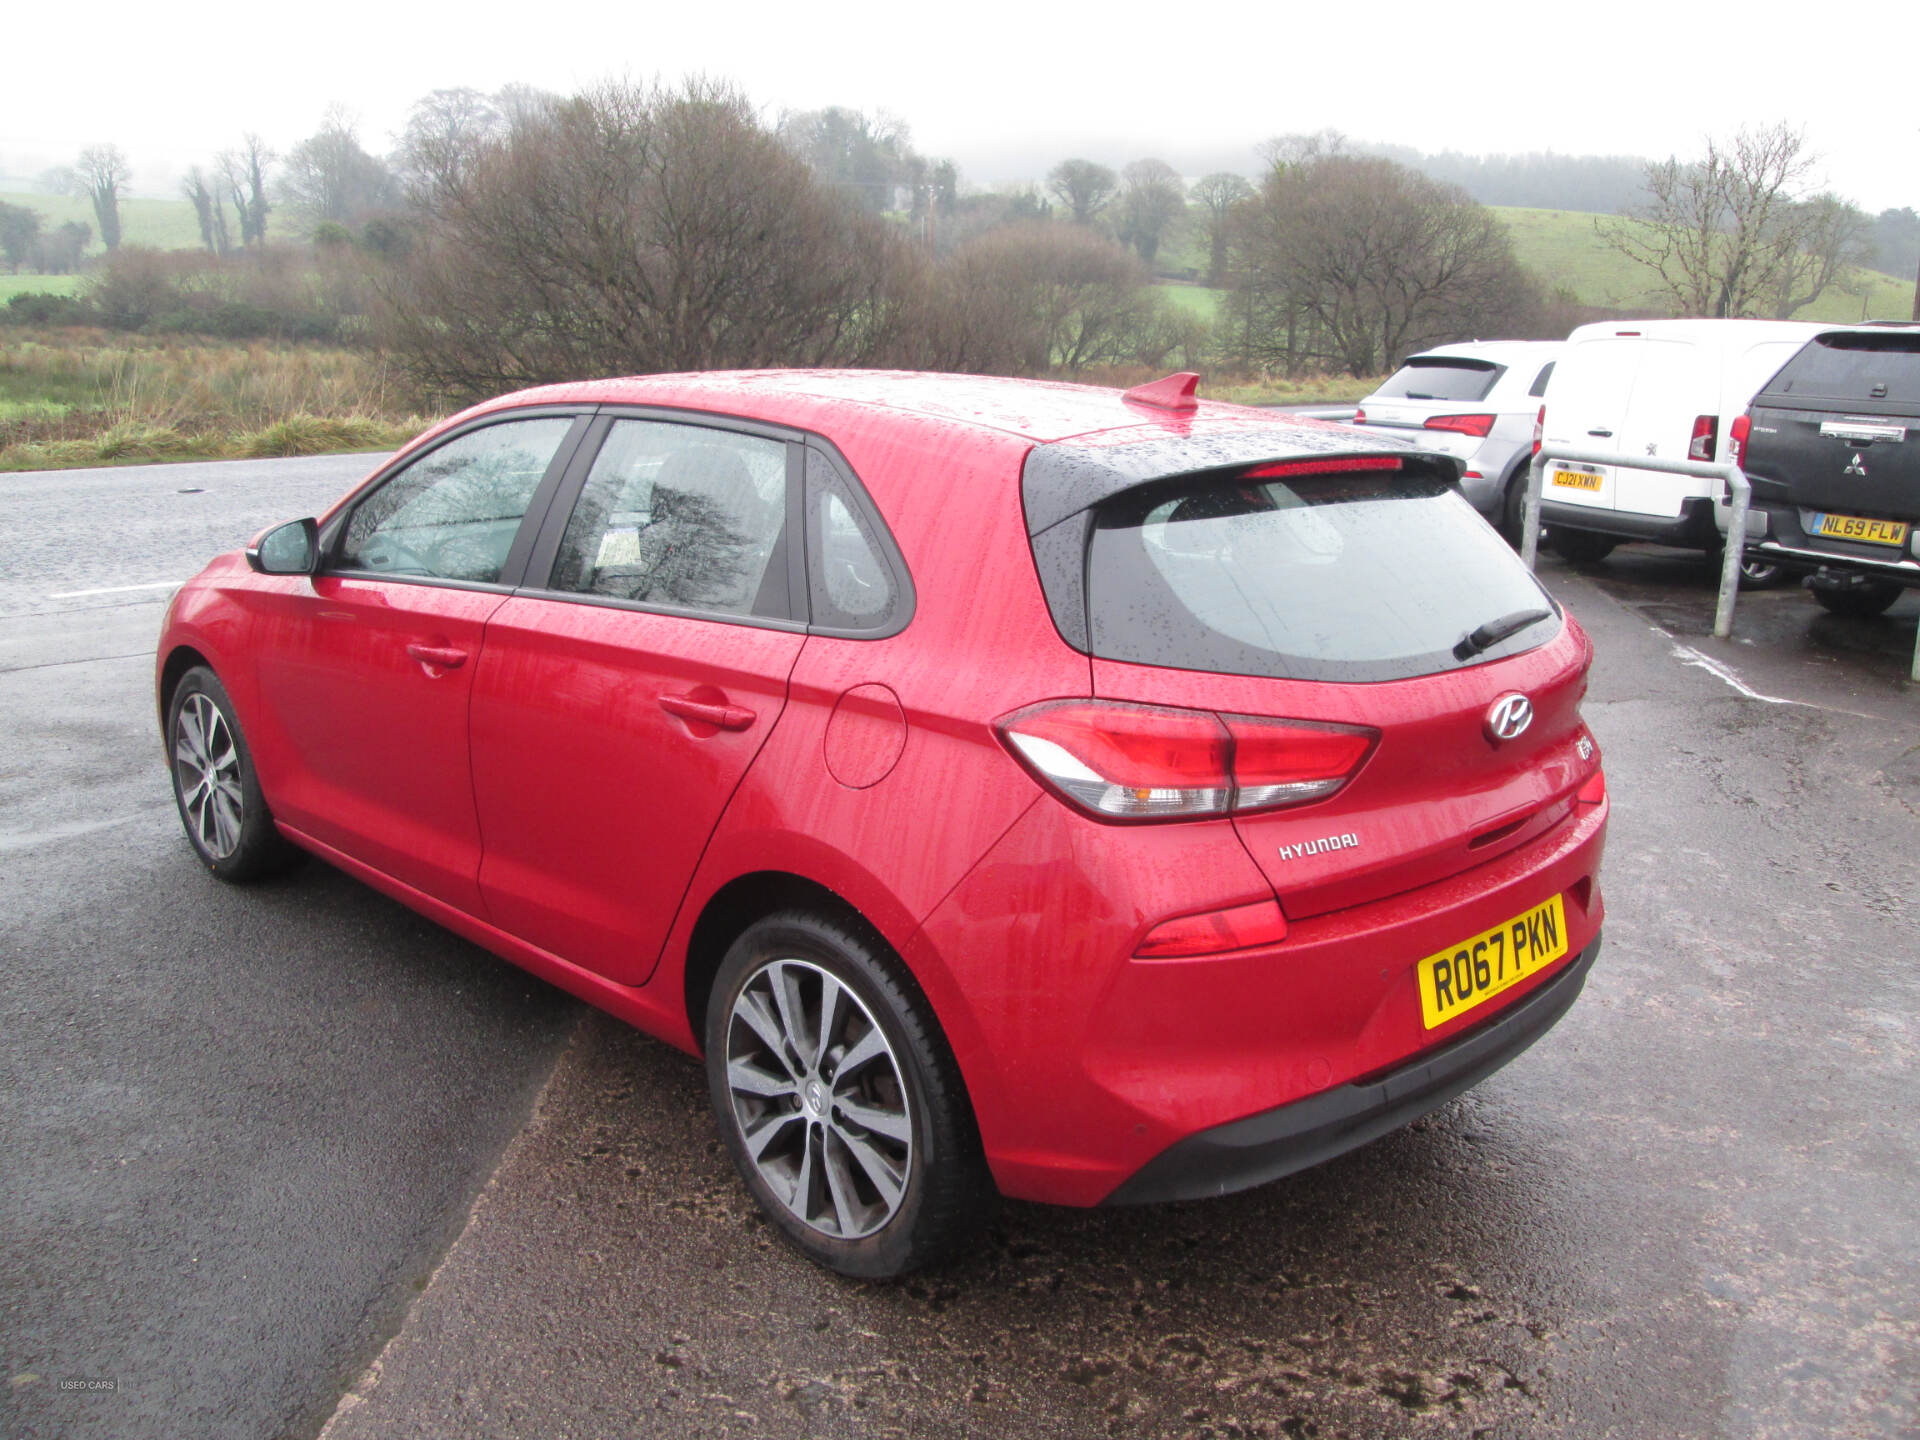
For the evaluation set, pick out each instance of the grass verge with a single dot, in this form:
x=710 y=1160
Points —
x=82 y=398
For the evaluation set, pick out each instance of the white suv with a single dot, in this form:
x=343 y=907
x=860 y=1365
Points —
x=1477 y=401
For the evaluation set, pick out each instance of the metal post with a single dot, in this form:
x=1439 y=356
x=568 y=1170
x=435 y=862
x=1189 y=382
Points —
x=1740 y=492
x=1530 y=511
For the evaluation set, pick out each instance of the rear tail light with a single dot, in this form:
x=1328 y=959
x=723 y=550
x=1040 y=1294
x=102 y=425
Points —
x=1360 y=417
x=1595 y=790
x=1702 y=445
x=1122 y=761
x=1240 y=928
x=1462 y=424
x=1737 y=439
x=1539 y=429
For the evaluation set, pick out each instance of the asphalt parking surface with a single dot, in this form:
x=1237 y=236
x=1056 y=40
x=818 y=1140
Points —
x=1688 y=1211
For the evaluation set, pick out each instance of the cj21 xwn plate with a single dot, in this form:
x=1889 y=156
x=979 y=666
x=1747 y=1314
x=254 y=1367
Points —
x=1568 y=478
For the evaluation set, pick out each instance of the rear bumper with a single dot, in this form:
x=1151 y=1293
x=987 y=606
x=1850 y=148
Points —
x=1087 y=1064
x=1790 y=544
x=1294 y=1137
x=1694 y=530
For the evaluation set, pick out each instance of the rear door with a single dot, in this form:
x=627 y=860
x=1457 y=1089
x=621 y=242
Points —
x=365 y=673
x=1587 y=410
x=623 y=694
x=1674 y=381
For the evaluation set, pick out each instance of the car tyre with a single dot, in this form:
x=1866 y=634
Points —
x=839 y=1100
x=1860 y=602
x=1582 y=547
x=1513 y=507
x=214 y=785
x=1757 y=572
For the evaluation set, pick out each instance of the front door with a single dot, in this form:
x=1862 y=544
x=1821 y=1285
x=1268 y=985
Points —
x=366 y=674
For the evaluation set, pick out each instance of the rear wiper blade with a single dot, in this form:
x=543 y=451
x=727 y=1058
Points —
x=1494 y=631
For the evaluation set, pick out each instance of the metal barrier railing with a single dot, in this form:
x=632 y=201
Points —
x=1737 y=486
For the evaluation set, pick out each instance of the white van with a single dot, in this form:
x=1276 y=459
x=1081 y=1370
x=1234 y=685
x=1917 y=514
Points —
x=1671 y=388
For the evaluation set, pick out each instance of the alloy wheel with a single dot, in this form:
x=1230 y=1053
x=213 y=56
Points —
x=206 y=767
x=819 y=1098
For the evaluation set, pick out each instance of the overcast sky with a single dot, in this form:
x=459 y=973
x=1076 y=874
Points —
x=1004 y=88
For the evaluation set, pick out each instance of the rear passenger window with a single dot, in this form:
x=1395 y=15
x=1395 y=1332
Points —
x=1539 y=387
x=850 y=584
x=453 y=513
x=681 y=515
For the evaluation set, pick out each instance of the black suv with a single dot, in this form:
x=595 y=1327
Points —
x=1832 y=446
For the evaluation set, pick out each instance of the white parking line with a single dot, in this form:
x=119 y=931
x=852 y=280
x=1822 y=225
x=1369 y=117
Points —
x=118 y=589
x=1726 y=674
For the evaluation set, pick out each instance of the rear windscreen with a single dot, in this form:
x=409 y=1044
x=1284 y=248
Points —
x=1441 y=380
x=1854 y=367
x=1367 y=576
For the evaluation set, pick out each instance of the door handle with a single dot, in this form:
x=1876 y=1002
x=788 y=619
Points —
x=727 y=717
x=443 y=656
x=1604 y=434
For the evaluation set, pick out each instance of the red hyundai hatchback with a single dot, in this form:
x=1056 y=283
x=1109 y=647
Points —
x=1099 y=798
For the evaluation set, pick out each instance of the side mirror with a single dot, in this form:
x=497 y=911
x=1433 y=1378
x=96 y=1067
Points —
x=290 y=549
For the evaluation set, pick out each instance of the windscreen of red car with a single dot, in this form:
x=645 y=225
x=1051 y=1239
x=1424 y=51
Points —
x=1361 y=576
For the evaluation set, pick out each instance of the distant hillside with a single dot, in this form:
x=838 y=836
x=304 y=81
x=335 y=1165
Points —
x=1561 y=248
x=163 y=224
x=1601 y=184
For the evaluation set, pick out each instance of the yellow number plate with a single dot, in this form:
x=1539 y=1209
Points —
x=1577 y=479
x=1855 y=527
x=1476 y=970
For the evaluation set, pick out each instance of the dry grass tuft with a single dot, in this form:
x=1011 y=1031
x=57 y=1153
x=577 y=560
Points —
x=79 y=397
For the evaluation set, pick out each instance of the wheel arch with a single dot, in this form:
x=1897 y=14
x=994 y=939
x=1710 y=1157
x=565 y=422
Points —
x=180 y=659
x=741 y=902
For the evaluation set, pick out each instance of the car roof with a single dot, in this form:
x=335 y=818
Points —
x=1699 y=330
x=1506 y=351
x=1038 y=411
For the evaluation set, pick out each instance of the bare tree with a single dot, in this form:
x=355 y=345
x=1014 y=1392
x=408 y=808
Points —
x=1083 y=187
x=330 y=177
x=1825 y=240
x=1218 y=193
x=868 y=156
x=1358 y=262
x=446 y=131
x=209 y=209
x=629 y=230
x=1153 y=201
x=100 y=175
x=1728 y=235
x=243 y=176
x=1035 y=298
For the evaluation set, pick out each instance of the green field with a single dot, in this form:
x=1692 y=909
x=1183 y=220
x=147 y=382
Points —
x=12 y=285
x=1562 y=248
x=163 y=224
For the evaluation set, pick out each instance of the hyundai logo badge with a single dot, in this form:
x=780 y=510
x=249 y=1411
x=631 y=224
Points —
x=1508 y=716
